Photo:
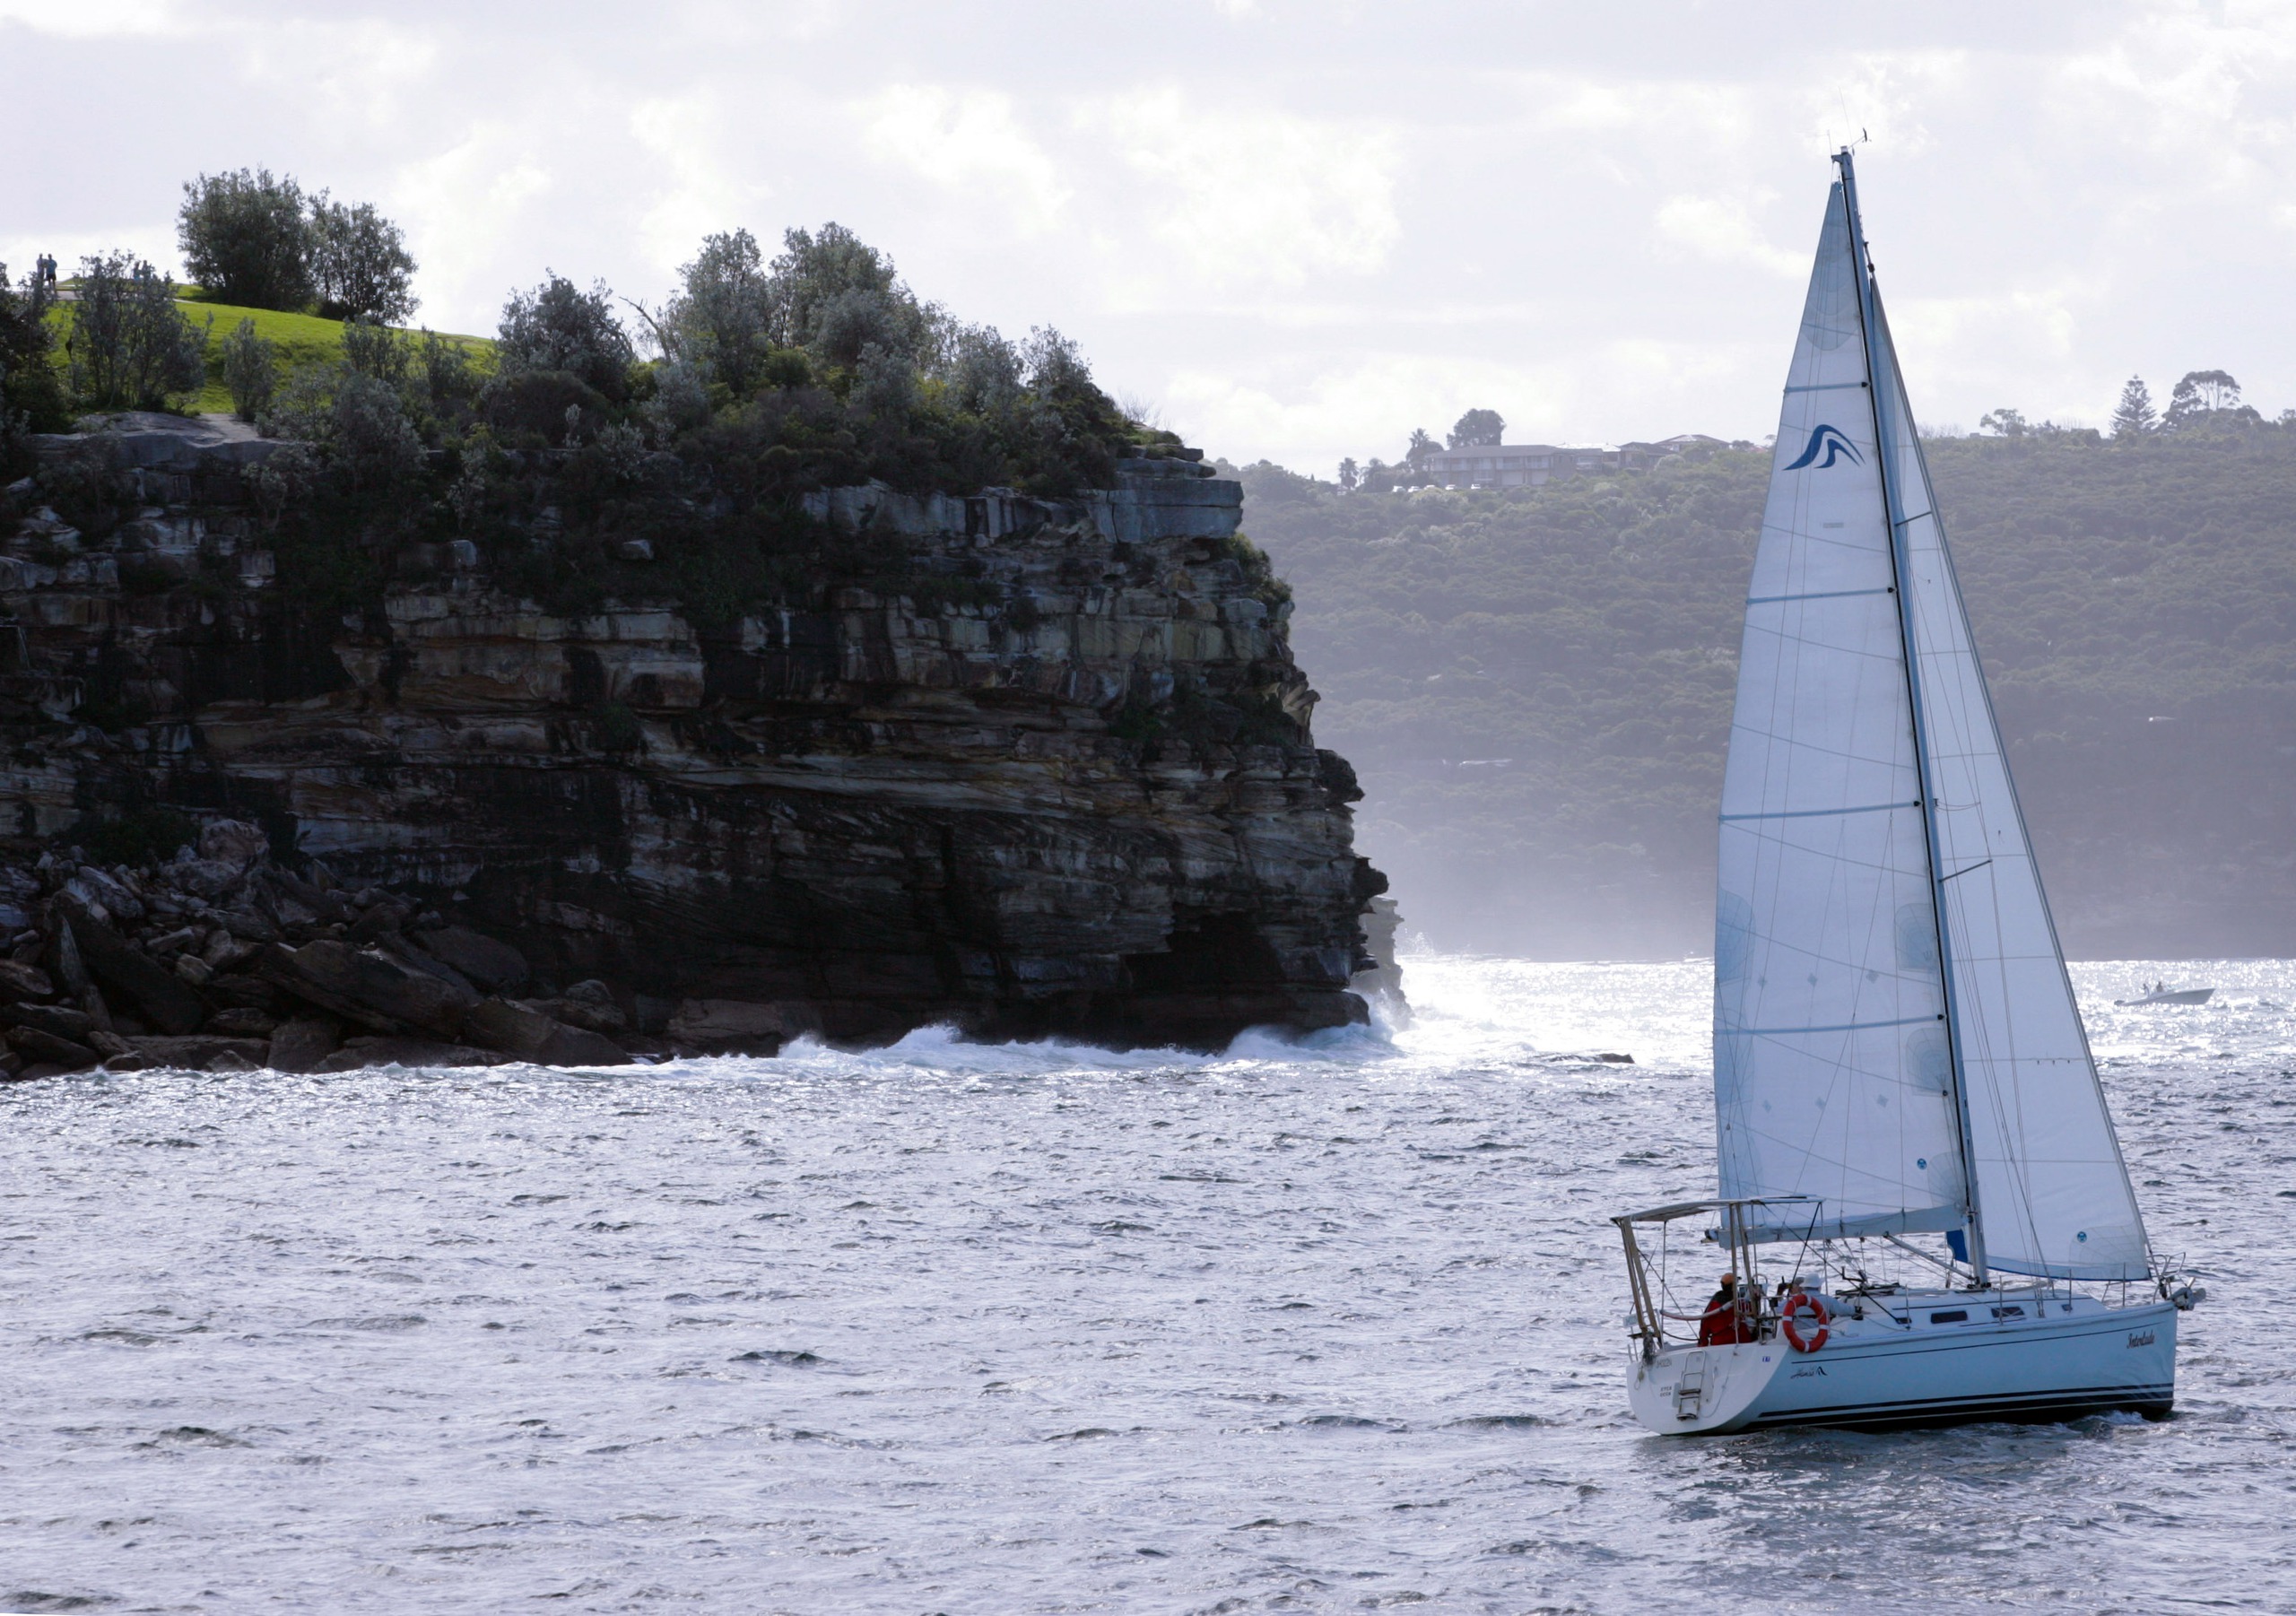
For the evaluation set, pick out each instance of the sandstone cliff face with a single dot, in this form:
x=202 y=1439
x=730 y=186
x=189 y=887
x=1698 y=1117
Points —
x=1085 y=808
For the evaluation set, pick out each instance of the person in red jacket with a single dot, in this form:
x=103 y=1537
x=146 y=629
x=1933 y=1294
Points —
x=1725 y=1321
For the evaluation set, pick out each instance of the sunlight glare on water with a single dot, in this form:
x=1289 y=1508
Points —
x=1330 y=1326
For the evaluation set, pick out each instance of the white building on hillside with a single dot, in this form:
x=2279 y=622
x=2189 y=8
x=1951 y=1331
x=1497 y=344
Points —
x=1534 y=465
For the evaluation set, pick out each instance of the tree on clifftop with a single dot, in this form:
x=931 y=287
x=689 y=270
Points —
x=1478 y=429
x=360 y=263
x=838 y=295
x=2204 y=394
x=720 y=323
x=244 y=238
x=2134 y=416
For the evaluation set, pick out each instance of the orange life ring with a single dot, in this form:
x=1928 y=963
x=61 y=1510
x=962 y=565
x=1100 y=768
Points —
x=1797 y=1303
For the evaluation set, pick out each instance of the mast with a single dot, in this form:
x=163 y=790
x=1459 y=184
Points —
x=1869 y=326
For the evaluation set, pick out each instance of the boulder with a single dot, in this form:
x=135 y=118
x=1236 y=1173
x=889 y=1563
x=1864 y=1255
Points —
x=400 y=949
x=364 y=1052
x=37 y=1046
x=226 y=952
x=208 y=878
x=590 y=1005
x=243 y=992
x=494 y=967
x=97 y=889
x=64 y=953
x=232 y=842
x=381 y=920
x=161 y=996
x=301 y=1043
x=192 y=1053
x=527 y=1033
x=369 y=986
x=739 y=1026
x=250 y=926
x=241 y=1023
x=18 y=982
x=50 y=1018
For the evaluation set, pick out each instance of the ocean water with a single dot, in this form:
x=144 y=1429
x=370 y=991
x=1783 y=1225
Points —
x=1330 y=1327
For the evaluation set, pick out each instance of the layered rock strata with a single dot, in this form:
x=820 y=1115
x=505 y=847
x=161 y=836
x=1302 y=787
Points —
x=1087 y=807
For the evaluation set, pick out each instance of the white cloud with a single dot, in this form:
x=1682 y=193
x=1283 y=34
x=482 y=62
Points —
x=463 y=208
x=91 y=19
x=1258 y=195
x=363 y=68
x=686 y=142
x=1723 y=228
x=968 y=141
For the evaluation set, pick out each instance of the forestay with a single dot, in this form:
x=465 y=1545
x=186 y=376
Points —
x=1835 y=1061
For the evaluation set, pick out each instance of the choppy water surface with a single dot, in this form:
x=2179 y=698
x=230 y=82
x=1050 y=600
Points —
x=1018 y=1330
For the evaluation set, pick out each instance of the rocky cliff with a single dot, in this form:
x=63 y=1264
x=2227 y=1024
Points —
x=1053 y=778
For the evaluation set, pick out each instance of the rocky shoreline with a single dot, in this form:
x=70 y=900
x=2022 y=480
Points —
x=219 y=959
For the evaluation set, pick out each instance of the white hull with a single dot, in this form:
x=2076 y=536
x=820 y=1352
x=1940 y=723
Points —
x=1896 y=1369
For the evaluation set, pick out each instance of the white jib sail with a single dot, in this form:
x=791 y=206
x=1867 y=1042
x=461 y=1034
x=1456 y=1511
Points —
x=2053 y=1196
x=1831 y=1067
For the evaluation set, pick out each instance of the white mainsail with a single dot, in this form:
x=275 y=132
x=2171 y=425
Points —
x=1838 y=1041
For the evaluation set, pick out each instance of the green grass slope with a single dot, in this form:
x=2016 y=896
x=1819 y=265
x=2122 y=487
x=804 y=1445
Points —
x=301 y=340
x=1535 y=687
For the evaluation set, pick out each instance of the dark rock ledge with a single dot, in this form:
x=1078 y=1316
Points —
x=220 y=959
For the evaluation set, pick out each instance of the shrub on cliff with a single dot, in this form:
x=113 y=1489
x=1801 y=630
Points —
x=542 y=409
x=559 y=326
x=131 y=348
x=31 y=393
x=375 y=350
x=352 y=483
x=1070 y=429
x=250 y=370
x=835 y=295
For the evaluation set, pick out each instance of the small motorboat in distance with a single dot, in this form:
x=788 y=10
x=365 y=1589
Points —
x=2161 y=992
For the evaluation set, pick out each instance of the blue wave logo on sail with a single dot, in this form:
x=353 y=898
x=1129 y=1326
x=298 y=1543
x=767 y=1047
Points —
x=1835 y=446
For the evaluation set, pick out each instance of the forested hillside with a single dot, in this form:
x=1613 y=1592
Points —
x=1534 y=686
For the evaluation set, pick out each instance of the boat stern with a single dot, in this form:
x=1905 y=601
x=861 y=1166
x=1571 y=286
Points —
x=1699 y=1391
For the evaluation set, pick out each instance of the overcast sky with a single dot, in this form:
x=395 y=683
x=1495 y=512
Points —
x=1296 y=231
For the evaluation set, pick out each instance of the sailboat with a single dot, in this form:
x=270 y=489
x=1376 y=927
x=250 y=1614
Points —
x=1924 y=1216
